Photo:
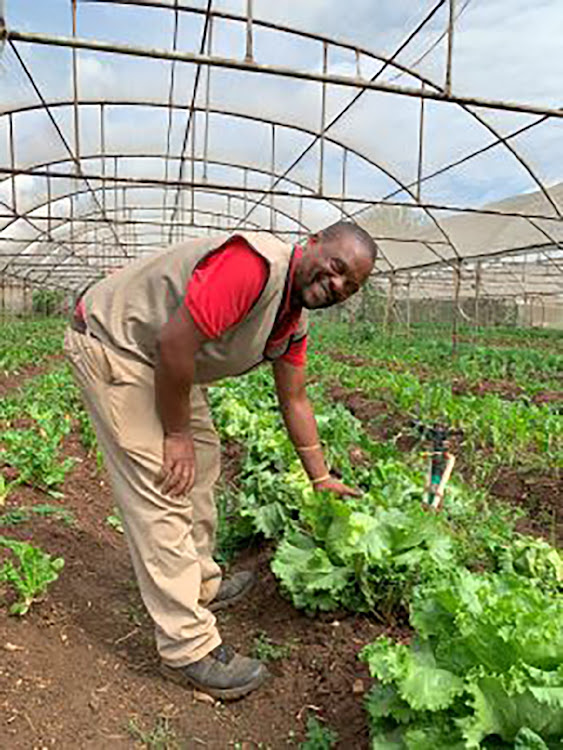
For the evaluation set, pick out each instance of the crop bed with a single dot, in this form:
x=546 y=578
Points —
x=409 y=591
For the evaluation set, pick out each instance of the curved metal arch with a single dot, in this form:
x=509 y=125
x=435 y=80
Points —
x=301 y=129
x=87 y=191
x=274 y=26
x=412 y=73
x=64 y=221
x=53 y=270
x=71 y=194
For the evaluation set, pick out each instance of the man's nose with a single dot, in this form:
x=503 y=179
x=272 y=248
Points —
x=338 y=287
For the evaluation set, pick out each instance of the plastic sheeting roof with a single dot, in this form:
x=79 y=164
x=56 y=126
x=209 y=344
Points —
x=129 y=124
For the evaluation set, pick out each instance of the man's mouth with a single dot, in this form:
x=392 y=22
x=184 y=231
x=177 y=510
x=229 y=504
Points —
x=322 y=292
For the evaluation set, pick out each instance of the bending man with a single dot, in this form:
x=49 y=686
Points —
x=142 y=343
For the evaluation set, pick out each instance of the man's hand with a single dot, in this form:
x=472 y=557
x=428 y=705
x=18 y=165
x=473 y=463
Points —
x=178 y=465
x=330 y=484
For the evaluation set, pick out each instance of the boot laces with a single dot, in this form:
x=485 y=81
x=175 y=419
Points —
x=223 y=653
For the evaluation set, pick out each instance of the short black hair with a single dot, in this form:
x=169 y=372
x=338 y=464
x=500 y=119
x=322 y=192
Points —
x=340 y=228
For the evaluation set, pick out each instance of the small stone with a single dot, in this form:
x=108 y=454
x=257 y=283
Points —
x=204 y=697
x=12 y=647
x=94 y=704
x=358 y=687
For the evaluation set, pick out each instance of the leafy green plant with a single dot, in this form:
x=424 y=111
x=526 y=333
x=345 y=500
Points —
x=32 y=575
x=35 y=454
x=265 y=649
x=5 y=488
x=161 y=737
x=114 y=520
x=485 y=662
x=319 y=736
x=24 y=513
x=27 y=342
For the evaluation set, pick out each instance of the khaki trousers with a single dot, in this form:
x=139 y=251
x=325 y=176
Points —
x=170 y=539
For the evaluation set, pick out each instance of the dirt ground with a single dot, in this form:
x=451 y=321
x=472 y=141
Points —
x=80 y=669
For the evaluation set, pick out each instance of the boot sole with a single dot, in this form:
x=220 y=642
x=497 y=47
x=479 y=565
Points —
x=223 y=694
x=226 y=603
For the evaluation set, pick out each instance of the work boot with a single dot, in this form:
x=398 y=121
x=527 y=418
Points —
x=223 y=674
x=232 y=590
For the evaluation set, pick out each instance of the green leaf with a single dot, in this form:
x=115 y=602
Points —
x=528 y=740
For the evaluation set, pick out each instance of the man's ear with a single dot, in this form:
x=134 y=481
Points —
x=314 y=240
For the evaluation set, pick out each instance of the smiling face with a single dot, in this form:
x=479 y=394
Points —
x=330 y=270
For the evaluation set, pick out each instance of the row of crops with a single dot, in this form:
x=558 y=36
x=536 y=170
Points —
x=484 y=665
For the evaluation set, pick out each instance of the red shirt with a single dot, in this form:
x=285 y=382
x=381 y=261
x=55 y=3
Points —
x=225 y=286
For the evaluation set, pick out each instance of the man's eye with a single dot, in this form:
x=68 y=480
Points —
x=338 y=265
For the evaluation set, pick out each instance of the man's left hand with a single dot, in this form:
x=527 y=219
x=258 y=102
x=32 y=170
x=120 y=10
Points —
x=338 y=488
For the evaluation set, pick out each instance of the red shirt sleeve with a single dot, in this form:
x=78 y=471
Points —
x=225 y=286
x=296 y=355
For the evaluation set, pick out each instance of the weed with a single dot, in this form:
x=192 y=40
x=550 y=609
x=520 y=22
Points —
x=266 y=650
x=114 y=520
x=319 y=736
x=24 y=514
x=161 y=737
x=30 y=579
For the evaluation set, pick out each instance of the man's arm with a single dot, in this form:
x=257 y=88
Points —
x=178 y=343
x=302 y=427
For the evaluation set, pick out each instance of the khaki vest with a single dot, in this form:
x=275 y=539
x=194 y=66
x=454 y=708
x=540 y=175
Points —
x=128 y=309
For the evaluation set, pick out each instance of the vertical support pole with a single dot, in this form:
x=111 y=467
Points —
x=450 y=37
x=124 y=215
x=49 y=207
x=457 y=286
x=300 y=211
x=207 y=97
x=193 y=142
x=12 y=161
x=343 y=181
x=272 y=180
x=245 y=194
x=409 y=280
x=75 y=90
x=323 y=120
x=358 y=65
x=389 y=307
x=103 y=154
x=249 y=36
x=115 y=194
x=477 y=296
x=420 y=146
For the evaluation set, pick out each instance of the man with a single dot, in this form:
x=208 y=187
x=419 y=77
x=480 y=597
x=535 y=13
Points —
x=143 y=341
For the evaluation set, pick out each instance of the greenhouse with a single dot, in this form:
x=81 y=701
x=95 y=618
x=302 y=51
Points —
x=185 y=186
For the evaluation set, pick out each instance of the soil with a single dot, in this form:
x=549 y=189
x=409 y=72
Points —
x=81 y=670
x=539 y=496
x=378 y=418
x=506 y=389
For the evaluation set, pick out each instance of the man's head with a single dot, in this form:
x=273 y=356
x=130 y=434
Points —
x=335 y=264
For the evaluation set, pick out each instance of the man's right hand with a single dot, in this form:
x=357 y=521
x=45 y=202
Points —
x=178 y=465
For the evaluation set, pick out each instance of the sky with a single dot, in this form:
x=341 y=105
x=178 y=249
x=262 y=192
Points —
x=503 y=49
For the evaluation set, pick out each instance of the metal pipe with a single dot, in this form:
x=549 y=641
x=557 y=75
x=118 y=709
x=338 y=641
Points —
x=420 y=149
x=221 y=62
x=323 y=118
x=249 y=57
x=451 y=20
